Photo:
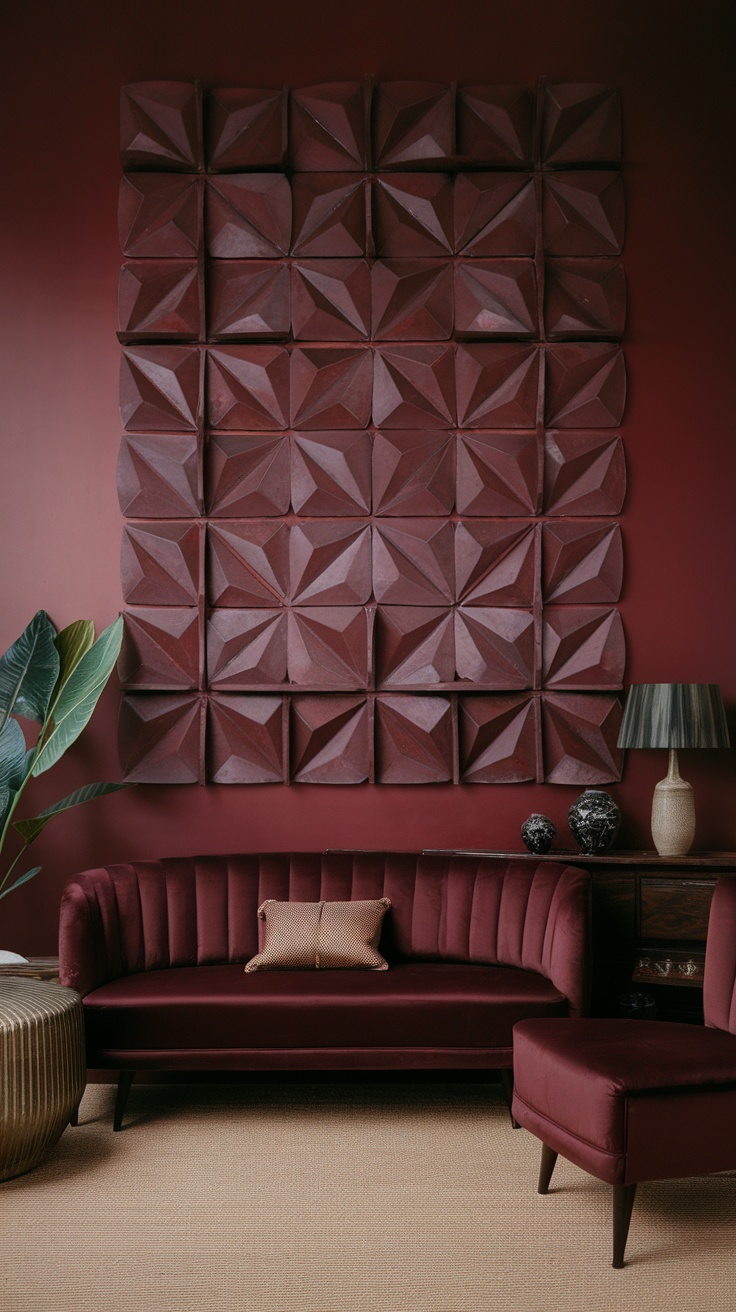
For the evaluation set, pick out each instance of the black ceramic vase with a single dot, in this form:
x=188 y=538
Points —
x=537 y=833
x=594 y=820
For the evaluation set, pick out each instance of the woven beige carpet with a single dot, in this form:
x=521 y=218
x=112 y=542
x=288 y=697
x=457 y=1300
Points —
x=342 y=1198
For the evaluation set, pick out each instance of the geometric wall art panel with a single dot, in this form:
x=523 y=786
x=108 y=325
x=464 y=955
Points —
x=248 y=216
x=331 y=387
x=161 y=563
x=582 y=124
x=498 y=738
x=495 y=125
x=330 y=741
x=245 y=740
x=495 y=214
x=584 y=298
x=160 y=125
x=583 y=213
x=245 y=129
x=330 y=300
x=248 y=562
x=248 y=388
x=497 y=473
x=415 y=646
x=329 y=215
x=412 y=300
x=414 y=386
x=158 y=475
x=496 y=563
x=495 y=298
x=161 y=647
x=413 y=123
x=412 y=214
x=247 y=474
x=246 y=648
x=583 y=647
x=414 y=740
x=159 y=216
x=249 y=300
x=161 y=738
x=582 y=562
x=328 y=127
x=584 y=473
x=160 y=388
x=371 y=388
x=585 y=386
x=159 y=299
x=413 y=473
x=579 y=734
x=331 y=473
x=497 y=386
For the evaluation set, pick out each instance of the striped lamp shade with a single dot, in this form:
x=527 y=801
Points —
x=674 y=715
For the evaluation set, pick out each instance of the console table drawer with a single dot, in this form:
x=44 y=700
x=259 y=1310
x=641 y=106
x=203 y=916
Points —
x=675 y=908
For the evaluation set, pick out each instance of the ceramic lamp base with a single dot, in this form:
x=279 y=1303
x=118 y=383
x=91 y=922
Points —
x=673 y=813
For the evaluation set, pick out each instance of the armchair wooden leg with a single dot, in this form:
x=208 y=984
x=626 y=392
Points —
x=546 y=1167
x=506 y=1076
x=74 y=1118
x=623 y=1201
x=124 y=1082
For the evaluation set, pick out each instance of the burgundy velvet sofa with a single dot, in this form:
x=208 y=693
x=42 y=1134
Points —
x=156 y=949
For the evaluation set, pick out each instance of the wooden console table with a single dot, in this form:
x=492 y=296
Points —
x=650 y=919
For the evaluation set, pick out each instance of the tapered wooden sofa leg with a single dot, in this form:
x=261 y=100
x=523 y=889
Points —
x=623 y=1201
x=546 y=1167
x=124 y=1082
x=74 y=1118
x=507 y=1088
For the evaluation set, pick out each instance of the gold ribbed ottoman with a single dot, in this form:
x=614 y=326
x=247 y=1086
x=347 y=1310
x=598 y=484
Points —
x=42 y=1071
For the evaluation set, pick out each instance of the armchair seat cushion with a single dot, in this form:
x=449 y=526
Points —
x=415 y=1004
x=620 y=1097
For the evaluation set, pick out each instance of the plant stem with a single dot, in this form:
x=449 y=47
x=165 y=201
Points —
x=12 y=866
x=17 y=798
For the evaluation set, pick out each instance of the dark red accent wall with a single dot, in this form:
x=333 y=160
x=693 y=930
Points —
x=60 y=522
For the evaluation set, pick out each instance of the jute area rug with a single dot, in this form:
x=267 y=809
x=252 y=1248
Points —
x=370 y=1197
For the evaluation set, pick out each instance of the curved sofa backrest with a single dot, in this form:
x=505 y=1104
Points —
x=152 y=915
x=719 y=985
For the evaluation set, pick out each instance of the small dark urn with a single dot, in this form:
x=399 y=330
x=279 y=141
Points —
x=537 y=833
x=594 y=820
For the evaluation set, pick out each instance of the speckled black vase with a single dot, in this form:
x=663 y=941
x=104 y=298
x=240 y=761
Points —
x=594 y=820
x=537 y=833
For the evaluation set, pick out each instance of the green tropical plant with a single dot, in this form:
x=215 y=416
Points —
x=54 y=679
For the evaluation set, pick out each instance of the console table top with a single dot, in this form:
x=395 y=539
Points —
x=693 y=861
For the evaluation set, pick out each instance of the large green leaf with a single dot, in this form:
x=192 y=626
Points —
x=80 y=695
x=23 y=879
x=28 y=671
x=12 y=755
x=72 y=644
x=4 y=804
x=30 y=829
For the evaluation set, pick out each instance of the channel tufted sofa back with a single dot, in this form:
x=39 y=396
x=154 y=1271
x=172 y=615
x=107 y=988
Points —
x=151 y=915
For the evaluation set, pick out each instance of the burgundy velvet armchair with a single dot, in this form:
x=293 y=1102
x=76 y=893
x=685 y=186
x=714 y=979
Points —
x=157 y=948
x=631 y=1100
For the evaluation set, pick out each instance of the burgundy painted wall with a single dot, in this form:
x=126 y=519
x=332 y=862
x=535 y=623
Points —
x=59 y=517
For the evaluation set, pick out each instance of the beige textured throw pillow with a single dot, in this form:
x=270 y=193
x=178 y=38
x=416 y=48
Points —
x=321 y=936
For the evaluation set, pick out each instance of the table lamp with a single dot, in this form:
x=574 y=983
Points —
x=673 y=715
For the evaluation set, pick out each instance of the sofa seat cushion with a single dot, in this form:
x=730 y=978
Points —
x=414 y=1004
x=618 y=1096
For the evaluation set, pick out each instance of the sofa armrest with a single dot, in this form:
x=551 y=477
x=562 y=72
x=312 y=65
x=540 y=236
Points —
x=566 y=952
x=84 y=955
